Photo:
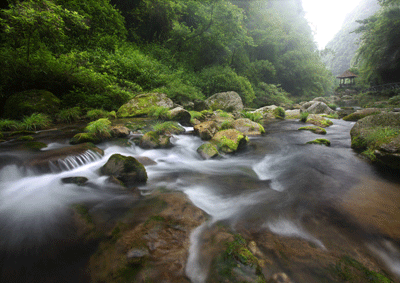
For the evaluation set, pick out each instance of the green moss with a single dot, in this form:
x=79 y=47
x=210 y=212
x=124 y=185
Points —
x=26 y=138
x=208 y=150
x=36 y=146
x=36 y=121
x=279 y=113
x=83 y=211
x=331 y=116
x=101 y=128
x=69 y=115
x=314 y=129
x=303 y=116
x=84 y=138
x=228 y=145
x=226 y=125
x=262 y=130
x=359 y=115
x=320 y=142
x=168 y=127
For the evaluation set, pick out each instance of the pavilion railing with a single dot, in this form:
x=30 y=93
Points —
x=383 y=87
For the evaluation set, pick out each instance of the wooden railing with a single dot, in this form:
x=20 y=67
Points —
x=383 y=87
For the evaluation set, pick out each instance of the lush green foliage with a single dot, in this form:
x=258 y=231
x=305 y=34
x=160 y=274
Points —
x=168 y=127
x=279 y=113
x=160 y=113
x=253 y=116
x=10 y=125
x=303 y=117
x=96 y=114
x=69 y=115
x=226 y=125
x=100 y=127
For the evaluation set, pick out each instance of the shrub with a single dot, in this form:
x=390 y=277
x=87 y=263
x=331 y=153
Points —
x=96 y=114
x=279 y=113
x=69 y=115
x=100 y=127
x=36 y=121
x=303 y=117
x=10 y=125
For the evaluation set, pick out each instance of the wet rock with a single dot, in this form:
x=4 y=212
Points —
x=320 y=142
x=136 y=255
x=28 y=102
x=321 y=99
x=227 y=101
x=154 y=140
x=317 y=108
x=229 y=141
x=120 y=131
x=292 y=114
x=80 y=181
x=280 y=278
x=143 y=103
x=85 y=138
x=248 y=127
x=126 y=169
x=145 y=160
x=206 y=130
x=180 y=115
x=314 y=129
x=208 y=151
x=54 y=158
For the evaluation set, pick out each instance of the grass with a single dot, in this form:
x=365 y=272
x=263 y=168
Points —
x=10 y=125
x=253 y=116
x=159 y=112
x=279 y=113
x=69 y=115
x=100 y=128
x=37 y=121
x=303 y=117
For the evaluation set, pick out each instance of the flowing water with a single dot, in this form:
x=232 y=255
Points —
x=272 y=184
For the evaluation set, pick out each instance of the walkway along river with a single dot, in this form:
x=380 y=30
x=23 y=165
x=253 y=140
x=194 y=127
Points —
x=326 y=197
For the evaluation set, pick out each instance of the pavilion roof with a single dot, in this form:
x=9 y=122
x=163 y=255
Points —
x=347 y=74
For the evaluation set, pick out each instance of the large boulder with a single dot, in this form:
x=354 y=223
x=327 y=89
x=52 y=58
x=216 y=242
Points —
x=120 y=131
x=248 y=127
x=28 y=102
x=143 y=103
x=206 y=130
x=228 y=101
x=230 y=141
x=378 y=137
x=317 y=107
x=126 y=169
x=359 y=114
x=180 y=115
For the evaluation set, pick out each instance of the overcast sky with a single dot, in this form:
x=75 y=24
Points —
x=326 y=17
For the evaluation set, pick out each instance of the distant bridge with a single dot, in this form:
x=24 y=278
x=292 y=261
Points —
x=383 y=87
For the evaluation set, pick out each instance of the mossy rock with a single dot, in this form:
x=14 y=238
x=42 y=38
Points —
x=362 y=114
x=206 y=130
x=142 y=104
x=320 y=142
x=230 y=141
x=152 y=140
x=227 y=101
x=279 y=113
x=84 y=138
x=314 y=129
x=208 y=151
x=28 y=102
x=319 y=121
x=35 y=146
x=248 y=127
x=25 y=138
x=126 y=169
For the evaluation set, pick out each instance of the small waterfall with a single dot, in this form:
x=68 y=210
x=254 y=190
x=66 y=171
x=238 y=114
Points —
x=73 y=162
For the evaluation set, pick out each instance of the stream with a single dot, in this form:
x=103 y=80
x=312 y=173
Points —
x=276 y=184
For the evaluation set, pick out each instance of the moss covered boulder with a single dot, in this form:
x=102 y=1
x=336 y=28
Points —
x=153 y=139
x=143 y=104
x=317 y=107
x=206 y=130
x=208 y=151
x=28 y=102
x=378 y=138
x=228 y=101
x=320 y=142
x=248 y=127
x=319 y=121
x=314 y=129
x=126 y=169
x=230 y=141
x=359 y=114
x=180 y=115
x=85 y=138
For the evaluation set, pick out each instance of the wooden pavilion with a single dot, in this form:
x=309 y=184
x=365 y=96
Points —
x=347 y=79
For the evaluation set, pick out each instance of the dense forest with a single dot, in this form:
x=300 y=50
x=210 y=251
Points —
x=100 y=53
x=341 y=50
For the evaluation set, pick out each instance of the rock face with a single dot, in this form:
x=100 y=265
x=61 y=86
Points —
x=126 y=169
x=248 y=127
x=28 y=102
x=317 y=107
x=227 y=101
x=142 y=104
x=155 y=140
x=230 y=141
x=378 y=136
x=206 y=130
x=208 y=151
x=180 y=115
